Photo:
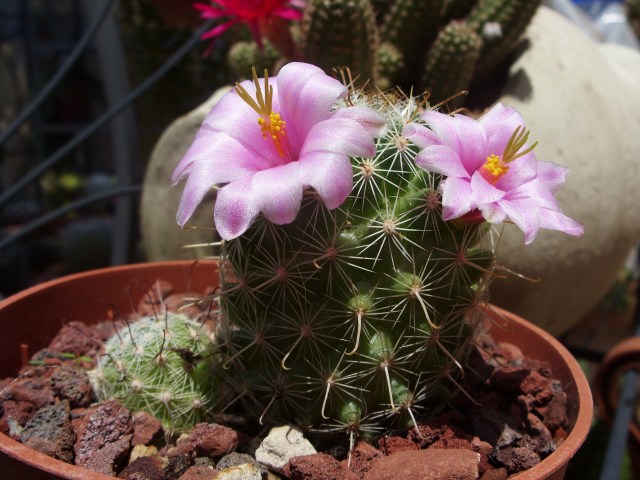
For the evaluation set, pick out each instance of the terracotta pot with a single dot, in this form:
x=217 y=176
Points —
x=33 y=317
x=625 y=356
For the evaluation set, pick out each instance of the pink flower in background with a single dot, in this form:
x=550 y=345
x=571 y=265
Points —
x=488 y=167
x=268 y=140
x=250 y=12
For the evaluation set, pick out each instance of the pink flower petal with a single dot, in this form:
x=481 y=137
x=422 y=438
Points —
x=441 y=159
x=330 y=174
x=219 y=158
x=456 y=198
x=552 y=175
x=525 y=214
x=235 y=210
x=521 y=170
x=306 y=95
x=277 y=192
x=493 y=213
x=483 y=192
x=462 y=134
x=499 y=123
x=420 y=135
x=339 y=135
x=373 y=122
x=555 y=220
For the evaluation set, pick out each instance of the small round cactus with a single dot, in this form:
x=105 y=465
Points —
x=162 y=365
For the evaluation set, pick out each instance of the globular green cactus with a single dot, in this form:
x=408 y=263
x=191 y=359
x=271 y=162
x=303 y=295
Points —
x=160 y=364
x=354 y=319
x=451 y=62
x=500 y=24
x=341 y=33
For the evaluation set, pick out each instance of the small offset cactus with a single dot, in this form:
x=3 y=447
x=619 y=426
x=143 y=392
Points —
x=162 y=365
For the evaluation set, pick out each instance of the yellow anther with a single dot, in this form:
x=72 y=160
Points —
x=271 y=123
x=494 y=168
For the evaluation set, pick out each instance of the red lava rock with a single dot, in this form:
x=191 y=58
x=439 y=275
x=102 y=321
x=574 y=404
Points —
x=104 y=436
x=452 y=443
x=76 y=338
x=496 y=474
x=517 y=459
x=485 y=450
x=200 y=473
x=49 y=431
x=19 y=412
x=147 y=468
x=33 y=387
x=73 y=385
x=510 y=352
x=554 y=413
x=534 y=383
x=430 y=464
x=210 y=440
x=146 y=428
x=391 y=445
x=319 y=466
x=361 y=457
x=509 y=380
x=542 y=439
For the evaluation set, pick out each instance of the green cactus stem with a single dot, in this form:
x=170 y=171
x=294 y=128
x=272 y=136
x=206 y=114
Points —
x=500 y=24
x=411 y=26
x=341 y=33
x=451 y=62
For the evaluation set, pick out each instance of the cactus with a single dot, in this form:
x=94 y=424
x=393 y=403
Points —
x=243 y=56
x=500 y=24
x=352 y=319
x=451 y=62
x=341 y=33
x=390 y=65
x=162 y=365
x=411 y=26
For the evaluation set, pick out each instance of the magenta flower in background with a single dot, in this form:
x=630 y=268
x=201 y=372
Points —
x=489 y=167
x=250 y=12
x=268 y=140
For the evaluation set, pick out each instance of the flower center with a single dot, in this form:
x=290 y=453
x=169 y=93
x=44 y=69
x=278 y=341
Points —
x=495 y=167
x=272 y=126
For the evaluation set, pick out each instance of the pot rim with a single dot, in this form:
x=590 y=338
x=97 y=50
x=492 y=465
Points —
x=553 y=464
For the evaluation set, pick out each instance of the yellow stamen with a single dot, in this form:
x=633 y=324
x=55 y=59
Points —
x=271 y=123
x=495 y=167
x=515 y=143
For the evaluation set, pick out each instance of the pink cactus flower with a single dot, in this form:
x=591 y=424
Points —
x=490 y=168
x=250 y=12
x=268 y=140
